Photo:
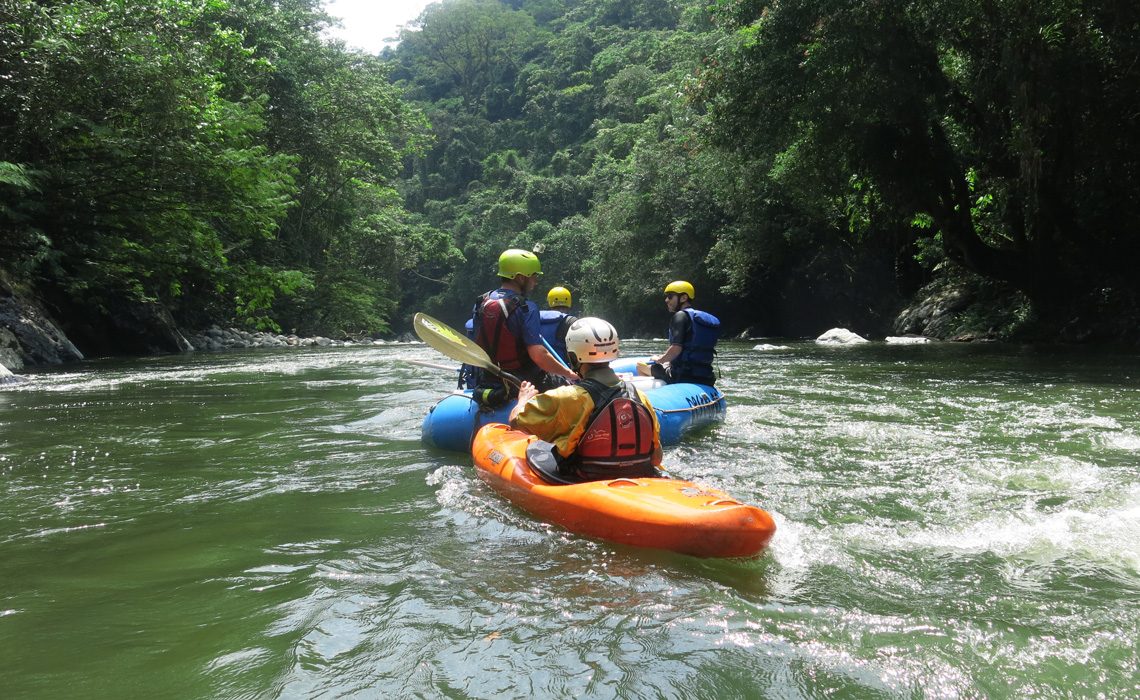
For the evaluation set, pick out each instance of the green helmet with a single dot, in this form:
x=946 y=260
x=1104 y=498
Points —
x=559 y=296
x=680 y=287
x=518 y=262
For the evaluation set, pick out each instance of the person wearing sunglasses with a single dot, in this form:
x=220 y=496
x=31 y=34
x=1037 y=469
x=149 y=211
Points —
x=692 y=340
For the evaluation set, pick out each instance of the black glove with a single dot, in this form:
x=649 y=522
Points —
x=491 y=397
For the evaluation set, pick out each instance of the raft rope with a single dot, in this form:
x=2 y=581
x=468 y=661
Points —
x=693 y=407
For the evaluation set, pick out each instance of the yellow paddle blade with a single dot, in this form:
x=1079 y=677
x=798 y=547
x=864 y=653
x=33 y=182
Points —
x=455 y=345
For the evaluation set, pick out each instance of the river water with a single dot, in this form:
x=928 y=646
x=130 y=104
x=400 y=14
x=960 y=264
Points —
x=955 y=521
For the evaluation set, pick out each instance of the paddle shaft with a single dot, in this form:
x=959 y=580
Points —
x=556 y=356
x=433 y=365
x=446 y=340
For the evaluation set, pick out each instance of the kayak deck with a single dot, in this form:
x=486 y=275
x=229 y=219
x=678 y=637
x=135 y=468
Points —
x=658 y=513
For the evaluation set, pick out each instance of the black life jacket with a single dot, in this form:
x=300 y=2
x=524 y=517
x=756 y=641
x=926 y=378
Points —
x=618 y=441
x=494 y=335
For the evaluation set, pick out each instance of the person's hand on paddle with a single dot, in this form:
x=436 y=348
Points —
x=526 y=393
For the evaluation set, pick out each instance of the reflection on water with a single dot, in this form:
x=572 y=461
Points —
x=954 y=521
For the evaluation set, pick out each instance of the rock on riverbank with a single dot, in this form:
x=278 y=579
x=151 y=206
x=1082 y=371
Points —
x=6 y=377
x=216 y=338
x=28 y=334
x=234 y=338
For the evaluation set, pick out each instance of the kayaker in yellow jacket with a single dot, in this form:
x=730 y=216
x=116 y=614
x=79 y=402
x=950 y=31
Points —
x=601 y=427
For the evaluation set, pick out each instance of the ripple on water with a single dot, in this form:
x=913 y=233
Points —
x=945 y=529
x=1110 y=536
x=1123 y=441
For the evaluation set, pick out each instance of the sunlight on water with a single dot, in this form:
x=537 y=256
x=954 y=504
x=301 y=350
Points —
x=953 y=522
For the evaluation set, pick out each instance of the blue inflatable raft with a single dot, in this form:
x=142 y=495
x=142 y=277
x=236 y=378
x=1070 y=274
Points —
x=451 y=423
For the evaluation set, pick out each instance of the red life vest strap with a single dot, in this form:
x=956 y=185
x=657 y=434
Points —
x=506 y=350
x=619 y=432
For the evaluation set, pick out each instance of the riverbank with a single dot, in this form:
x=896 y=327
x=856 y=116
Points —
x=215 y=338
x=31 y=336
x=956 y=307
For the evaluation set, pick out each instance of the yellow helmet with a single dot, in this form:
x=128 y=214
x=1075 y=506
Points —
x=518 y=262
x=680 y=287
x=558 y=296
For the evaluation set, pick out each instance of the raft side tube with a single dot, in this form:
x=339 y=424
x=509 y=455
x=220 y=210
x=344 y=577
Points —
x=452 y=422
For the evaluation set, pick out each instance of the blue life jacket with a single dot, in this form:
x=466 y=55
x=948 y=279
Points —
x=694 y=364
x=553 y=326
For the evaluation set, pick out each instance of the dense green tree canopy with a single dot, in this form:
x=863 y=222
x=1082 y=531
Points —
x=1000 y=127
x=804 y=164
x=217 y=157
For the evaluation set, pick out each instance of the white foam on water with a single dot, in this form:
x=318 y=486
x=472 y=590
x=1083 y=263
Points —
x=443 y=474
x=906 y=340
x=828 y=638
x=798 y=548
x=240 y=660
x=1069 y=420
x=454 y=487
x=48 y=532
x=1123 y=441
x=396 y=423
x=1107 y=533
x=1095 y=421
x=288 y=362
x=1045 y=476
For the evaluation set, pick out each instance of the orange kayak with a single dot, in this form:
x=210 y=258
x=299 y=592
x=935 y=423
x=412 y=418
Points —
x=659 y=513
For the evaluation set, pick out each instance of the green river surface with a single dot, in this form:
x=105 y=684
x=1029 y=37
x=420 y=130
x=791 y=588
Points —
x=954 y=521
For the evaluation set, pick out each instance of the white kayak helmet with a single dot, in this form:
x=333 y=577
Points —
x=591 y=339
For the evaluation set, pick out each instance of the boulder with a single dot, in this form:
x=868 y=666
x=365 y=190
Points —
x=31 y=334
x=906 y=340
x=125 y=327
x=840 y=336
x=10 y=351
x=934 y=312
x=7 y=378
x=147 y=328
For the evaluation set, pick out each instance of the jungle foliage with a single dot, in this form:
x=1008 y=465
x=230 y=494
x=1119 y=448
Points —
x=804 y=163
x=217 y=157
